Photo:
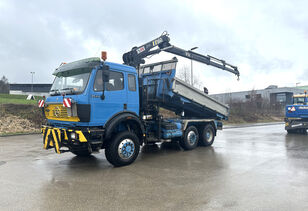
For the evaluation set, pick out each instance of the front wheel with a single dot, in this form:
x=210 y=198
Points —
x=123 y=149
x=190 y=139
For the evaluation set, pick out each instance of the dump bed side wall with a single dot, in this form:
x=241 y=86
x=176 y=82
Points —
x=185 y=90
x=164 y=88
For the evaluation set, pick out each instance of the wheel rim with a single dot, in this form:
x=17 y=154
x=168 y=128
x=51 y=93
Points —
x=192 y=137
x=126 y=149
x=209 y=135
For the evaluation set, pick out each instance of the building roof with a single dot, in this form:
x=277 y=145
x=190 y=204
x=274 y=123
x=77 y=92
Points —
x=28 y=87
x=269 y=90
x=302 y=87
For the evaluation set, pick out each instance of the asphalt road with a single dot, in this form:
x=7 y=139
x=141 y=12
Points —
x=250 y=168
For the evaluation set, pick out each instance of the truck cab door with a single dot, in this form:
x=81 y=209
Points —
x=132 y=93
x=112 y=100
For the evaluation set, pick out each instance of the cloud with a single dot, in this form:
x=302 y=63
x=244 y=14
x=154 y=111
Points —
x=267 y=40
x=303 y=76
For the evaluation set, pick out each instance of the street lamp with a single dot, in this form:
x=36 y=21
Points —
x=32 y=73
x=191 y=68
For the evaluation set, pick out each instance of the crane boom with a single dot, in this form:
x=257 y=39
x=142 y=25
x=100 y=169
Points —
x=136 y=56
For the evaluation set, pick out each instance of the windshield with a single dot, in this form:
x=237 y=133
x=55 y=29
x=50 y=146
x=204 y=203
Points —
x=299 y=100
x=69 y=84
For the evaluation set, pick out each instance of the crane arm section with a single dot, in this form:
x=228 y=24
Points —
x=136 y=56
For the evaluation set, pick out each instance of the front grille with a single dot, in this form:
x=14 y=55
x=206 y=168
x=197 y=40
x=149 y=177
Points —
x=56 y=111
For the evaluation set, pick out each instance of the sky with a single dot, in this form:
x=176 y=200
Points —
x=266 y=40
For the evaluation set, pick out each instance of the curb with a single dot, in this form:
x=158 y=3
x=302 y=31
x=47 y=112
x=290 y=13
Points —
x=225 y=128
x=18 y=134
x=252 y=125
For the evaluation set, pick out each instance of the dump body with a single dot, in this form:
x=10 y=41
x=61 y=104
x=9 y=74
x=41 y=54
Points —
x=161 y=86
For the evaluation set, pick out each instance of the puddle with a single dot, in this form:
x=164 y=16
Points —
x=77 y=161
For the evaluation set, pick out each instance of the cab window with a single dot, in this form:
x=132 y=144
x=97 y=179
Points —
x=298 y=100
x=115 y=82
x=131 y=82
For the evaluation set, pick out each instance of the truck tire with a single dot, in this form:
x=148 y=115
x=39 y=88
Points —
x=302 y=131
x=207 y=135
x=81 y=153
x=123 y=149
x=190 y=138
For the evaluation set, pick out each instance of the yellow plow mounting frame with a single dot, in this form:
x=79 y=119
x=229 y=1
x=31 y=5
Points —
x=53 y=137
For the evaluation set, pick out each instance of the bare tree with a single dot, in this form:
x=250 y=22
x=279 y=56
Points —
x=4 y=85
x=184 y=74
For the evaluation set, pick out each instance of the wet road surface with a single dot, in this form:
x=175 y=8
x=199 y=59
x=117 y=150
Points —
x=251 y=168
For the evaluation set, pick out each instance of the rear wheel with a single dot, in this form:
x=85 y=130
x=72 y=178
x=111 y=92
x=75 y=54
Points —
x=207 y=135
x=190 y=139
x=123 y=149
x=302 y=131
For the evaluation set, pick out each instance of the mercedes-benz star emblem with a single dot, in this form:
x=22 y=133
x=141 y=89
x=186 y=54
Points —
x=56 y=111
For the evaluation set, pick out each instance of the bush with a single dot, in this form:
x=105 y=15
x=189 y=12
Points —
x=254 y=109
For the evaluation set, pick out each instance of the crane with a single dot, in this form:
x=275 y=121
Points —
x=136 y=56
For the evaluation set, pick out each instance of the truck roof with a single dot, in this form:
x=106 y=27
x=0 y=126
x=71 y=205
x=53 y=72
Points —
x=300 y=95
x=90 y=63
x=121 y=67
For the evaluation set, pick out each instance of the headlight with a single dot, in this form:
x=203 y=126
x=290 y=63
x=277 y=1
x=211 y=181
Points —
x=73 y=135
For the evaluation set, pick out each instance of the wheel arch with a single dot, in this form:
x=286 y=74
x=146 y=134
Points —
x=124 y=119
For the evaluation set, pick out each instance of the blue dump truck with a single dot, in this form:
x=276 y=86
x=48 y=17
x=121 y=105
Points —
x=96 y=104
x=296 y=120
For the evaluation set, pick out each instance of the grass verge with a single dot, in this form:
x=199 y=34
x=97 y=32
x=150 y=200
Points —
x=18 y=99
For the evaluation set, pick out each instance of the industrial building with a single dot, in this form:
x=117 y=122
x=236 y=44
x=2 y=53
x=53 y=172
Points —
x=27 y=89
x=272 y=94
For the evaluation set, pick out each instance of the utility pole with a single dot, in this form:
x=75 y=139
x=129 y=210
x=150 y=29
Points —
x=32 y=73
x=191 y=68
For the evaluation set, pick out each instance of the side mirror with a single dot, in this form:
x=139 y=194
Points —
x=105 y=77
x=105 y=74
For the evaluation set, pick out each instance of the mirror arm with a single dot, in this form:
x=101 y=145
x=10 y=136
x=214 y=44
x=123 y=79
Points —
x=103 y=94
x=103 y=78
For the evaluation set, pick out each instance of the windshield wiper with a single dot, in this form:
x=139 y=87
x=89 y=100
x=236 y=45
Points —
x=70 y=89
x=55 y=91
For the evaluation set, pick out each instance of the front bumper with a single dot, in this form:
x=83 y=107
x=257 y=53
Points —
x=59 y=137
x=295 y=124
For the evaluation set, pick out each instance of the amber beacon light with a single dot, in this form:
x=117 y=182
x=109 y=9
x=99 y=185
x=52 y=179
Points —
x=104 y=55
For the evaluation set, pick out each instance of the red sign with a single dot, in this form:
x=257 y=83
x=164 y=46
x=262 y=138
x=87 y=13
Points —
x=41 y=103
x=67 y=102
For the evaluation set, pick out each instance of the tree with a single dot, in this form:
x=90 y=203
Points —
x=4 y=85
x=184 y=74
